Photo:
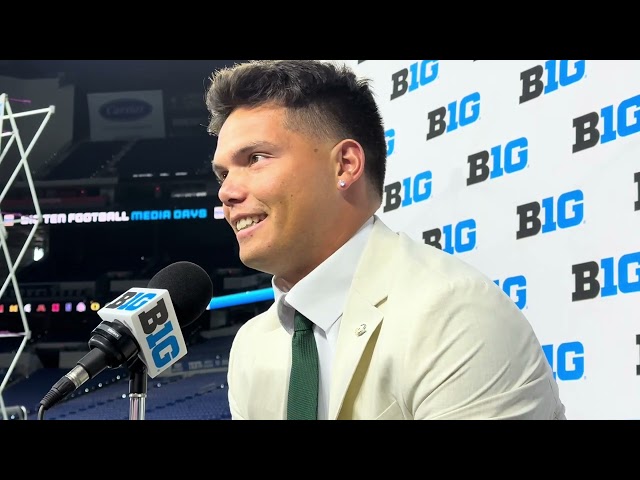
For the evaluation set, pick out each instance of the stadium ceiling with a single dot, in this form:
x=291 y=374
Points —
x=117 y=75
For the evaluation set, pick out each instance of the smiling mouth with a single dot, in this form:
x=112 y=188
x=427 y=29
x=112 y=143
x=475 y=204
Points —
x=248 y=222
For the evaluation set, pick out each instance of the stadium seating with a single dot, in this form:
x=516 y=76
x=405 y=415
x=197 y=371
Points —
x=197 y=390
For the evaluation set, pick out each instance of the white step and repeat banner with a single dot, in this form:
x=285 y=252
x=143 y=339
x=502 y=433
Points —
x=530 y=170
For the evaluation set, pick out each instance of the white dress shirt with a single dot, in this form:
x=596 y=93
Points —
x=320 y=296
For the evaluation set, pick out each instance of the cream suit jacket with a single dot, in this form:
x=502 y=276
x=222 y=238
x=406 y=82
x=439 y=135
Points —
x=440 y=341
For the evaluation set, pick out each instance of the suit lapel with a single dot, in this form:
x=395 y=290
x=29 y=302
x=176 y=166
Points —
x=360 y=319
x=361 y=316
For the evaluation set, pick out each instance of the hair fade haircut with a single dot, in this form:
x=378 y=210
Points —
x=325 y=99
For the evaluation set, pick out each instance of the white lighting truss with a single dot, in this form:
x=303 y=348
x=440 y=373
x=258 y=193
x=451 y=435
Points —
x=8 y=138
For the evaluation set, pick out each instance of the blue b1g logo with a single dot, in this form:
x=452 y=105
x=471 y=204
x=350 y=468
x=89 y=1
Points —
x=636 y=179
x=619 y=120
x=618 y=276
x=390 y=137
x=456 y=114
x=417 y=75
x=516 y=288
x=131 y=300
x=566 y=360
x=155 y=323
x=458 y=238
x=497 y=161
x=564 y=212
x=559 y=73
x=158 y=328
x=411 y=190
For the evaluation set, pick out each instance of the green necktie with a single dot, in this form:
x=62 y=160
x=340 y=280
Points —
x=303 y=383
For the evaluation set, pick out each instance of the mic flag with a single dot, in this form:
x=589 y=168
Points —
x=142 y=323
x=150 y=315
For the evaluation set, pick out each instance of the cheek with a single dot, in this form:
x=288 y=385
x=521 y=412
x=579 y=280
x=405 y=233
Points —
x=270 y=190
x=301 y=191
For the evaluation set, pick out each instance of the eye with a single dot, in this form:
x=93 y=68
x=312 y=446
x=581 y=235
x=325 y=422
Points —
x=254 y=158
x=220 y=177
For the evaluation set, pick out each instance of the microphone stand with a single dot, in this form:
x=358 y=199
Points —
x=137 y=389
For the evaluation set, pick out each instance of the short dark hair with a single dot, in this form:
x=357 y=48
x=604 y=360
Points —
x=322 y=98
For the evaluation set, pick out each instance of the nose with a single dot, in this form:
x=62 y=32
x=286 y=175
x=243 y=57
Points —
x=231 y=191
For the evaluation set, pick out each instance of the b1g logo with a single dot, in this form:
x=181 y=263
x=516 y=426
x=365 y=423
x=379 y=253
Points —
x=131 y=300
x=566 y=360
x=636 y=178
x=155 y=322
x=559 y=73
x=458 y=238
x=460 y=114
x=565 y=212
x=159 y=334
x=417 y=75
x=506 y=159
x=390 y=138
x=638 y=343
x=416 y=189
x=621 y=278
x=625 y=117
x=516 y=289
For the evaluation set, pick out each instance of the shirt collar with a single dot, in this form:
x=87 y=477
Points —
x=321 y=295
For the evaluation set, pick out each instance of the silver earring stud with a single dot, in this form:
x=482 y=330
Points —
x=342 y=183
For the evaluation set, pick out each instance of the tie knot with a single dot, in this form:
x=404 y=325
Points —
x=300 y=322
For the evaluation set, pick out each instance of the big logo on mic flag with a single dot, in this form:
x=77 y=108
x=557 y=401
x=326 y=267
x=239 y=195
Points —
x=149 y=313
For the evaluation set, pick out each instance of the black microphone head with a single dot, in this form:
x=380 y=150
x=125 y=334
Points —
x=189 y=286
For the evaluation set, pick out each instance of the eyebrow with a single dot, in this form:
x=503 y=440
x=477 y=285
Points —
x=241 y=152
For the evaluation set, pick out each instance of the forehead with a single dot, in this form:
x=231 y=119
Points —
x=248 y=128
x=248 y=124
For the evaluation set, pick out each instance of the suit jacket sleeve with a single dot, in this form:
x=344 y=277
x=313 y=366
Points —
x=472 y=354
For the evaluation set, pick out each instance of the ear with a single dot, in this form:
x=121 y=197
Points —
x=350 y=161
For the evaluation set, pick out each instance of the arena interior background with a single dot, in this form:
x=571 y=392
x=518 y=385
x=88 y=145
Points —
x=527 y=169
x=530 y=170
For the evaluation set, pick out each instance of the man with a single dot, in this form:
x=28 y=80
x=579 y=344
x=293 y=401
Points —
x=403 y=330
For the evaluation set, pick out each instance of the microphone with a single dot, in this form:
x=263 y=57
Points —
x=142 y=323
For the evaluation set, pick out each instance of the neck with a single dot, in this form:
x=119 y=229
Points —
x=286 y=281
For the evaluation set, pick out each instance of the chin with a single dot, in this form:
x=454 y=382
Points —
x=252 y=260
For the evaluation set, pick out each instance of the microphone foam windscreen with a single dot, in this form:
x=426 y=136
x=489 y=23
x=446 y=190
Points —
x=189 y=286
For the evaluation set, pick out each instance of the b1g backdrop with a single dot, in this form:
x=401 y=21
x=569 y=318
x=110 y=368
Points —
x=530 y=171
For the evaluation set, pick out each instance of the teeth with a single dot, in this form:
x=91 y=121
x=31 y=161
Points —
x=247 y=222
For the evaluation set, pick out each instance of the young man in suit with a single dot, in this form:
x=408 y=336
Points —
x=402 y=330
